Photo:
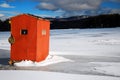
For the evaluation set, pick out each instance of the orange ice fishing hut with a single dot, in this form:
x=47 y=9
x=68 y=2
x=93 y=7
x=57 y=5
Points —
x=29 y=38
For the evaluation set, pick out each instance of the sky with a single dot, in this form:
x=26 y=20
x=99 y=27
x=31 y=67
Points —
x=58 y=8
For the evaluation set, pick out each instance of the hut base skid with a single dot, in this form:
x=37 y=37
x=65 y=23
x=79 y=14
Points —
x=29 y=38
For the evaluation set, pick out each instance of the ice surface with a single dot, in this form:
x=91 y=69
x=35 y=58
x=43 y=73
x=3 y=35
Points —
x=108 y=68
x=40 y=75
x=4 y=40
x=51 y=59
x=92 y=42
x=98 y=50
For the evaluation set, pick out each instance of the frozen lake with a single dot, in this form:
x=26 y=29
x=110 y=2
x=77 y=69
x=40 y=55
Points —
x=91 y=51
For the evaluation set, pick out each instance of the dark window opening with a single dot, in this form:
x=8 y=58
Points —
x=24 y=32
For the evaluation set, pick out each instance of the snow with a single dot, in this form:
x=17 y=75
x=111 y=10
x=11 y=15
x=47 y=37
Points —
x=88 y=54
x=107 y=42
x=108 y=68
x=4 y=44
x=51 y=59
x=90 y=42
x=40 y=75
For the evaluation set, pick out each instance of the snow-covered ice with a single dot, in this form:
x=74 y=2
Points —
x=92 y=42
x=79 y=54
x=51 y=59
x=40 y=75
x=108 y=68
x=4 y=44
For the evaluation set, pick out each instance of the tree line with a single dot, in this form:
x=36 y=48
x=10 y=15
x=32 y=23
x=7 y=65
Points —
x=100 y=21
x=4 y=25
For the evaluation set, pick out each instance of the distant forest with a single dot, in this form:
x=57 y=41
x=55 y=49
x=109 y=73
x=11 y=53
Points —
x=101 y=21
x=77 y=22
x=4 y=25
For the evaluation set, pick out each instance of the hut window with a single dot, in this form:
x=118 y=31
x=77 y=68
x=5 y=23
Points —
x=24 y=31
